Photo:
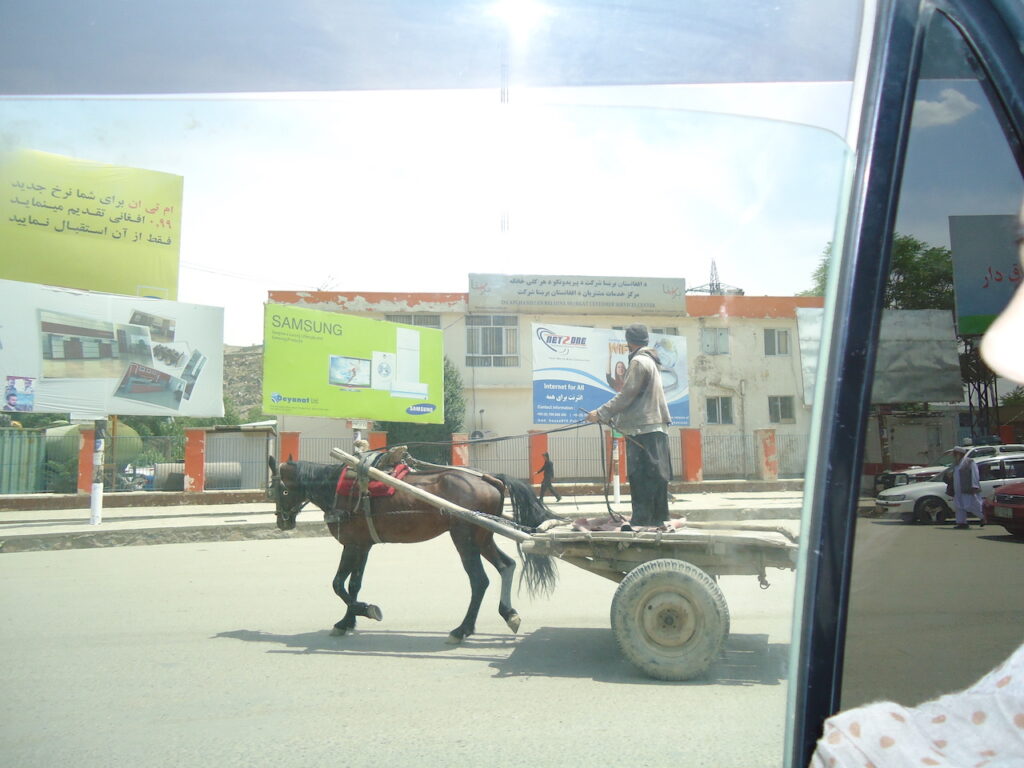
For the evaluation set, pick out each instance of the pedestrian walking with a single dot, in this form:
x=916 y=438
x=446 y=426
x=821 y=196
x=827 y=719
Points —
x=548 y=470
x=966 y=489
x=640 y=412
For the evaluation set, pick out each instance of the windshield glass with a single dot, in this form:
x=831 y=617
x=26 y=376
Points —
x=497 y=178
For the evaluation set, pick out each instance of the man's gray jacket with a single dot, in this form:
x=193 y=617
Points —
x=640 y=407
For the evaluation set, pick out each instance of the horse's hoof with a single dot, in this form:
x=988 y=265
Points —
x=373 y=612
x=453 y=639
x=513 y=622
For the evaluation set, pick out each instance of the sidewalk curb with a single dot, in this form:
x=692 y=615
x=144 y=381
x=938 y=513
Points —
x=46 y=542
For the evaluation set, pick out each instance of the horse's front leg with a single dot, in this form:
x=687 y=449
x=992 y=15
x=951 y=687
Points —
x=350 y=569
x=469 y=551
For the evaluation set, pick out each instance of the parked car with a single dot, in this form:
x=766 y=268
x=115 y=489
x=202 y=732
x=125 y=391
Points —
x=1006 y=508
x=927 y=502
x=919 y=473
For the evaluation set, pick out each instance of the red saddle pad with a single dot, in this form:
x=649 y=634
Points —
x=376 y=487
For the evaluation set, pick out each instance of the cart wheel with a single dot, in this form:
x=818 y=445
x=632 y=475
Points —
x=670 y=619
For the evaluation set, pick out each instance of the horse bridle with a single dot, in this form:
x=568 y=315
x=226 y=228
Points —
x=272 y=494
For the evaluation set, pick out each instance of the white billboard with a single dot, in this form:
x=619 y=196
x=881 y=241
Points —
x=576 y=294
x=97 y=354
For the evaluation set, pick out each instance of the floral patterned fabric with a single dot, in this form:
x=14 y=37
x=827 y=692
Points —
x=981 y=727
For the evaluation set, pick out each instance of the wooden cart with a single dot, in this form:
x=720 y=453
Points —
x=668 y=614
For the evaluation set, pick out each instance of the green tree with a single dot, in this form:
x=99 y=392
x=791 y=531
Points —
x=1013 y=397
x=920 y=275
x=430 y=442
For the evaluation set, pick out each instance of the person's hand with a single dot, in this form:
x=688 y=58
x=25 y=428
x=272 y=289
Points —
x=592 y=416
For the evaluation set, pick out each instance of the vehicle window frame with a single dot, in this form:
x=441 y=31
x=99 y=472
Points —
x=992 y=30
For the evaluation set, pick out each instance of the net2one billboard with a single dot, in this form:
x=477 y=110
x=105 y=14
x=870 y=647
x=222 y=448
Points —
x=328 y=364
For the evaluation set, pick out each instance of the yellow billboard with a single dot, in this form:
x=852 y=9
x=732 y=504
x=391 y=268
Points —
x=328 y=364
x=80 y=224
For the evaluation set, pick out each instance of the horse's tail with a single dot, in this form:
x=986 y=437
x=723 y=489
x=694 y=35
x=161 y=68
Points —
x=539 y=572
x=527 y=509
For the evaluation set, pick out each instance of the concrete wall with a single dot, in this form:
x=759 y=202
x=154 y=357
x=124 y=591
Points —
x=913 y=440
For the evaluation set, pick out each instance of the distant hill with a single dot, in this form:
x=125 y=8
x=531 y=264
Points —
x=243 y=379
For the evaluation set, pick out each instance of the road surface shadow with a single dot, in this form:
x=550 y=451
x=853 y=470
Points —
x=1004 y=537
x=593 y=653
x=547 y=652
x=378 y=643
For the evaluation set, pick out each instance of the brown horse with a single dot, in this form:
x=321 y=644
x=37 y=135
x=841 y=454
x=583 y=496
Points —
x=404 y=518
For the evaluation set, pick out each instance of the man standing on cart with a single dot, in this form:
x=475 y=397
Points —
x=640 y=412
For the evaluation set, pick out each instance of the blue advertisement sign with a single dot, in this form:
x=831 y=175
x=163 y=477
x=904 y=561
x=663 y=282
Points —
x=576 y=370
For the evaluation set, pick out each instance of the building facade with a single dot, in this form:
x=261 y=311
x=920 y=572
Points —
x=743 y=359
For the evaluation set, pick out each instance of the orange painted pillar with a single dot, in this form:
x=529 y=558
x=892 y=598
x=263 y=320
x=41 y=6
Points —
x=288 y=446
x=767 y=454
x=693 y=457
x=538 y=447
x=86 y=440
x=377 y=440
x=460 y=449
x=195 y=460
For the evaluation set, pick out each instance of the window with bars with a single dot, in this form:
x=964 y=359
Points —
x=780 y=409
x=422 y=320
x=492 y=341
x=719 y=410
x=714 y=341
x=776 y=342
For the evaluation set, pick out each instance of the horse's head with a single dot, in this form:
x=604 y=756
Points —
x=286 y=493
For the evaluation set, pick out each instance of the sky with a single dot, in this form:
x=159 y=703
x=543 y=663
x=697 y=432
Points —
x=412 y=191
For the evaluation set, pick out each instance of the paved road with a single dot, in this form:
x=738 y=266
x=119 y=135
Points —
x=932 y=609
x=218 y=654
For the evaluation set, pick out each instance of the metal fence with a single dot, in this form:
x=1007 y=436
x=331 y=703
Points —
x=318 y=449
x=22 y=461
x=506 y=456
x=792 y=451
x=735 y=456
x=577 y=455
x=30 y=462
x=728 y=456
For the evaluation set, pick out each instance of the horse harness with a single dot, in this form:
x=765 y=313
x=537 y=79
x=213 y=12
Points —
x=382 y=460
x=385 y=461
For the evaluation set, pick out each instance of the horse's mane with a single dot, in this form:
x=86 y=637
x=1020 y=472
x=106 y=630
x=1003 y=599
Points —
x=313 y=476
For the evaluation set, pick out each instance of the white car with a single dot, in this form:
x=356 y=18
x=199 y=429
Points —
x=918 y=474
x=927 y=501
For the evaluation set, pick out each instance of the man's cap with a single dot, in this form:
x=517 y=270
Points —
x=637 y=334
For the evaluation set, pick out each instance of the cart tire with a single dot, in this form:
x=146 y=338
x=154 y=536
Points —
x=670 y=619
